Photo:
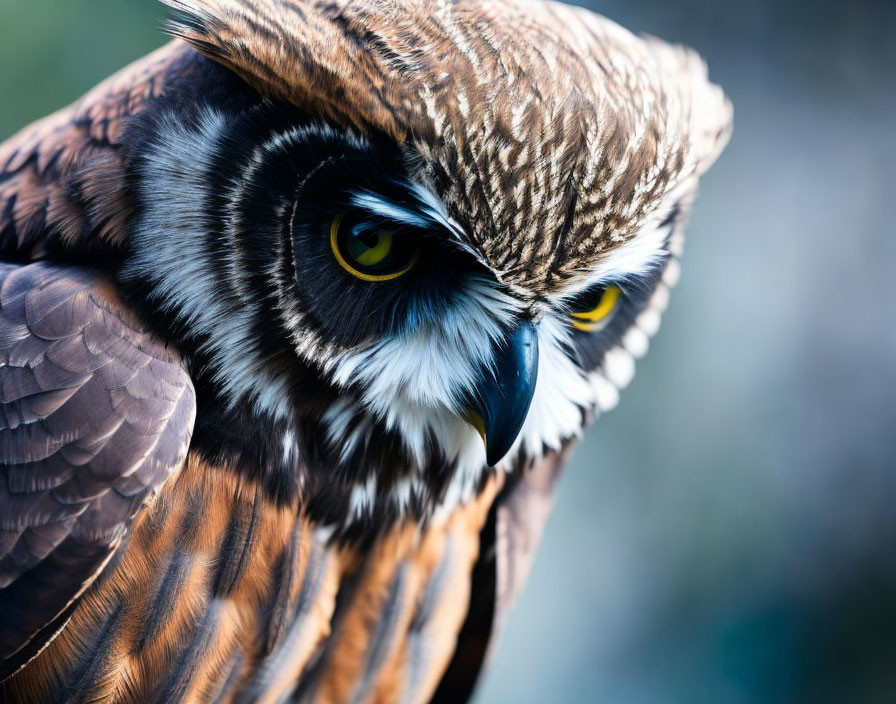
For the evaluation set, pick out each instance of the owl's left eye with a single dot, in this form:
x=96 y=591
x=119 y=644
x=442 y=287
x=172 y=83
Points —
x=591 y=310
x=371 y=251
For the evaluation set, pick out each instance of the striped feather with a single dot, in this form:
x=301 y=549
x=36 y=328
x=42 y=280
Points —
x=250 y=605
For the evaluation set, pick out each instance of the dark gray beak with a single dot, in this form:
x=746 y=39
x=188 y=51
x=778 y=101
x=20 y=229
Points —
x=501 y=402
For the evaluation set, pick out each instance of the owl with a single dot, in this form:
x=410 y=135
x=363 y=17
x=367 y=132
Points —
x=300 y=316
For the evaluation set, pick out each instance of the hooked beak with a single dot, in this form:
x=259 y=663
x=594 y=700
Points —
x=501 y=402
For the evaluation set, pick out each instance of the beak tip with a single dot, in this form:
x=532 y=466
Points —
x=492 y=458
x=499 y=441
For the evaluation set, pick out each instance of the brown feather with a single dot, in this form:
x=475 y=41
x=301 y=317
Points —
x=61 y=178
x=551 y=131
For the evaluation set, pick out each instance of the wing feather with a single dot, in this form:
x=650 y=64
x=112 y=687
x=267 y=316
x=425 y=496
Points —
x=95 y=415
x=62 y=180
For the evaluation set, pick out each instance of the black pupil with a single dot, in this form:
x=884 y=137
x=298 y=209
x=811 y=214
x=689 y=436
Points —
x=369 y=239
x=589 y=300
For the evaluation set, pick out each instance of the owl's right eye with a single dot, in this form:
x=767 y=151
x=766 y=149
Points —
x=371 y=251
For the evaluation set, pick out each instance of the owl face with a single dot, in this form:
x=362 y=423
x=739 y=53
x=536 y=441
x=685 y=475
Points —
x=419 y=295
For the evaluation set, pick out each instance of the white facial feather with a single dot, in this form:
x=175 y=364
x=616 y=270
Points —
x=175 y=189
x=434 y=367
x=561 y=392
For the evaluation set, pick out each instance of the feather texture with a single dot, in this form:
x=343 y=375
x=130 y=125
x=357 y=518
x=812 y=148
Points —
x=221 y=595
x=576 y=142
x=62 y=183
x=95 y=415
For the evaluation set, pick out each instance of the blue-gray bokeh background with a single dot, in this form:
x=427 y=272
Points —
x=727 y=535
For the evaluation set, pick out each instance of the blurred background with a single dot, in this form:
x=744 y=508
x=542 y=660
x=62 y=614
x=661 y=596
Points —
x=728 y=534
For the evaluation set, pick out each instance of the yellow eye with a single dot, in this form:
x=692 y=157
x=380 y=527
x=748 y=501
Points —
x=596 y=307
x=368 y=252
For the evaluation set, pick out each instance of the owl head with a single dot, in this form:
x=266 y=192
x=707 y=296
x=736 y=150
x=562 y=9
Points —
x=413 y=243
